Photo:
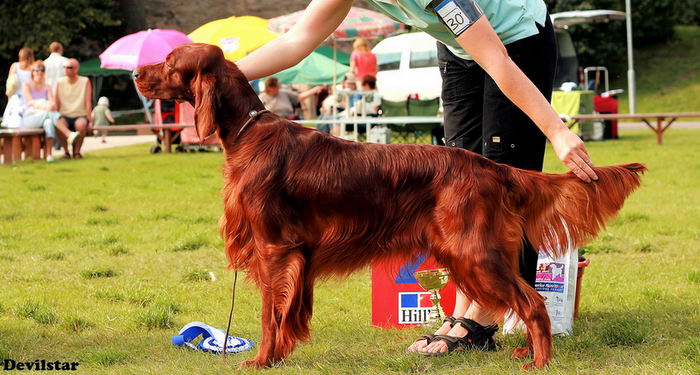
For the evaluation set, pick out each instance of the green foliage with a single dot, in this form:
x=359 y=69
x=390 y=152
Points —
x=39 y=312
x=694 y=276
x=691 y=349
x=196 y=275
x=77 y=324
x=156 y=317
x=98 y=273
x=84 y=27
x=104 y=357
x=623 y=332
x=190 y=244
x=687 y=12
x=57 y=255
x=118 y=250
x=37 y=23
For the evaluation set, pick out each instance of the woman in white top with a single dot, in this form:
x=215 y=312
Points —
x=22 y=68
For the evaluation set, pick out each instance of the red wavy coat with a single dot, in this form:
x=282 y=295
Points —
x=300 y=204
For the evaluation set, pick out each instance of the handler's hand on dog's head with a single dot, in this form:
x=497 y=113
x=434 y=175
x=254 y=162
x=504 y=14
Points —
x=572 y=152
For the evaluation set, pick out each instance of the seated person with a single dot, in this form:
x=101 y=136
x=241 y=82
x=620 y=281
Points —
x=73 y=96
x=39 y=105
x=283 y=102
x=334 y=105
x=370 y=99
x=364 y=103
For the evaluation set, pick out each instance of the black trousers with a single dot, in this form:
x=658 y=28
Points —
x=480 y=118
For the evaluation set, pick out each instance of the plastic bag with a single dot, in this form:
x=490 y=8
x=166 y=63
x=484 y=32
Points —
x=556 y=282
x=12 y=117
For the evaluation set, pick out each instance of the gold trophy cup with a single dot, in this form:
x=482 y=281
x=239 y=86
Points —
x=433 y=281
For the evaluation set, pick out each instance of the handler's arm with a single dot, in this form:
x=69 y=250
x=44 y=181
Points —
x=320 y=19
x=481 y=42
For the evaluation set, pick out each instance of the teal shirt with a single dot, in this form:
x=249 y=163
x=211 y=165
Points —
x=513 y=20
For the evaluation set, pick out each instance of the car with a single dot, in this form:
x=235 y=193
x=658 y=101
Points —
x=408 y=62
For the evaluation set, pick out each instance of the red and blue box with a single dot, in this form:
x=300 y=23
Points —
x=398 y=301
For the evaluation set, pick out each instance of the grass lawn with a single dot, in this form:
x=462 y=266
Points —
x=103 y=260
x=667 y=76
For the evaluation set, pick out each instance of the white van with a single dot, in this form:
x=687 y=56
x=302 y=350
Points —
x=408 y=62
x=407 y=66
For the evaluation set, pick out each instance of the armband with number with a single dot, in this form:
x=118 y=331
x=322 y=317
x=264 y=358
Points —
x=457 y=15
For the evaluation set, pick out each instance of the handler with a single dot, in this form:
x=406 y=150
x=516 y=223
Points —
x=497 y=59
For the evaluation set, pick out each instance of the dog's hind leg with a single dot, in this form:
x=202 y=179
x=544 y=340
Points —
x=529 y=305
x=286 y=305
x=495 y=285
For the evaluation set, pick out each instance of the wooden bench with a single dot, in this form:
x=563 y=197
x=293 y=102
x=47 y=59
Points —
x=21 y=144
x=661 y=121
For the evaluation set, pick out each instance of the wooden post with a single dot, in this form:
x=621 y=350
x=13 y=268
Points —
x=659 y=130
x=35 y=146
x=16 y=148
x=6 y=149
x=167 y=137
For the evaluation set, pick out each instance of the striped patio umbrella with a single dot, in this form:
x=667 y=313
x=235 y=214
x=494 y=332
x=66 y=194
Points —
x=359 y=22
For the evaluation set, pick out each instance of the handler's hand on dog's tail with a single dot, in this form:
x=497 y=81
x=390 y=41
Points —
x=572 y=152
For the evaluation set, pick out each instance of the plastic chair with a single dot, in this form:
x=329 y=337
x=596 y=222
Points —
x=428 y=107
x=396 y=109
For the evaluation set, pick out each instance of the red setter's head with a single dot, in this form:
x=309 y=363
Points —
x=199 y=73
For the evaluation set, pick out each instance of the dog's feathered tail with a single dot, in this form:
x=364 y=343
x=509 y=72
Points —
x=563 y=212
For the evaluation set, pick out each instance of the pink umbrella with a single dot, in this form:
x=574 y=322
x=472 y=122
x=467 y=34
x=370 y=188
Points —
x=142 y=48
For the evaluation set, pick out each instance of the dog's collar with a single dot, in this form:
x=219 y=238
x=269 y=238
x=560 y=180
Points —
x=252 y=116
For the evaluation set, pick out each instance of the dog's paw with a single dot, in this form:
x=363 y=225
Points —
x=520 y=353
x=253 y=364
x=534 y=365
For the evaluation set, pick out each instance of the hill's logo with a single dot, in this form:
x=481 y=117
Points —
x=414 y=307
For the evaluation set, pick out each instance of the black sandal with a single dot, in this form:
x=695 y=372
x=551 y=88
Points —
x=453 y=344
x=430 y=337
x=478 y=337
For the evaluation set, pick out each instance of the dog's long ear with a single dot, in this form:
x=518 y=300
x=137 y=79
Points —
x=204 y=87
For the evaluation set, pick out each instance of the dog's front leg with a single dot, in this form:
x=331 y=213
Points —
x=269 y=331
x=287 y=305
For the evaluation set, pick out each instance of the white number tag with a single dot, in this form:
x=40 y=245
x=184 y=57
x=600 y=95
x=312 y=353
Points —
x=458 y=15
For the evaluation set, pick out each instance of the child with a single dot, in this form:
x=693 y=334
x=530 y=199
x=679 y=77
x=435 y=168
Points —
x=102 y=116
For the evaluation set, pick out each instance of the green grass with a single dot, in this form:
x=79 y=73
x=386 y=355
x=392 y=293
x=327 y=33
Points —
x=640 y=301
x=667 y=76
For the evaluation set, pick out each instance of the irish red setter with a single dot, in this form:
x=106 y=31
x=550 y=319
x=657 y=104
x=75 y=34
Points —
x=302 y=205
